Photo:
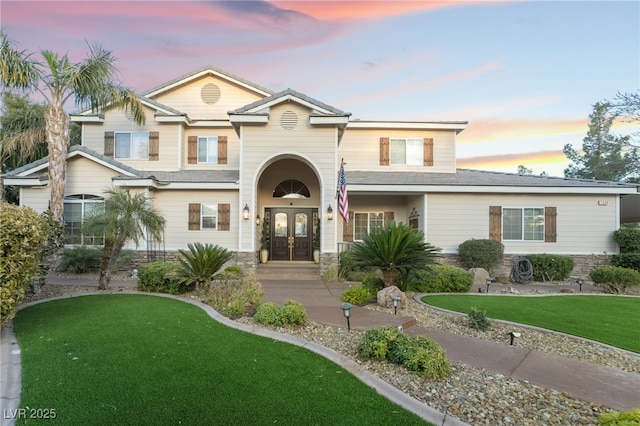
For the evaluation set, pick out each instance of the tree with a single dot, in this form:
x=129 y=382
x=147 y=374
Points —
x=396 y=249
x=626 y=106
x=604 y=156
x=524 y=170
x=126 y=217
x=90 y=82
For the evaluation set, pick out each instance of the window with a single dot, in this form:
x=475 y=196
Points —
x=406 y=151
x=209 y=216
x=365 y=222
x=208 y=149
x=76 y=209
x=134 y=145
x=525 y=224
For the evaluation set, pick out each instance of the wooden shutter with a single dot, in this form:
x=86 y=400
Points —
x=192 y=150
x=108 y=144
x=347 y=229
x=194 y=216
x=222 y=150
x=154 y=146
x=550 y=234
x=384 y=151
x=224 y=217
x=388 y=217
x=495 y=223
x=428 y=151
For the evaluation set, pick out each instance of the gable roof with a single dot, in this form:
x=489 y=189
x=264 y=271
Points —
x=318 y=107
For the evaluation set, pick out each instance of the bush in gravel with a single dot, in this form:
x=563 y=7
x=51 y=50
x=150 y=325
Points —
x=628 y=238
x=418 y=353
x=159 y=277
x=79 y=259
x=486 y=254
x=373 y=282
x=478 y=319
x=22 y=240
x=349 y=270
x=614 y=279
x=233 y=294
x=550 y=267
x=270 y=313
x=357 y=295
x=441 y=279
x=627 y=260
x=617 y=418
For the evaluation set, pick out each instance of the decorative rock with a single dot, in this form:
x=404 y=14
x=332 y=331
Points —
x=385 y=297
x=480 y=276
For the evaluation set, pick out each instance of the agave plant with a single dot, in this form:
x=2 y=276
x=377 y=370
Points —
x=200 y=263
x=395 y=249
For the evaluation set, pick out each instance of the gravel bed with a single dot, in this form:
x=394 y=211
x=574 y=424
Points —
x=473 y=395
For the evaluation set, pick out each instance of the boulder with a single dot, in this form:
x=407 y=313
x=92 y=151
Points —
x=480 y=276
x=385 y=297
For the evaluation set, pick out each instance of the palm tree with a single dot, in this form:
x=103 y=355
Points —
x=90 y=82
x=200 y=263
x=395 y=249
x=126 y=217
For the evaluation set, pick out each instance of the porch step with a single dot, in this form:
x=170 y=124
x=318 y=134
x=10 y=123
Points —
x=299 y=271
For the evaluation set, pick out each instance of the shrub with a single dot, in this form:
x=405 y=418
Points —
x=330 y=275
x=349 y=269
x=617 y=418
x=441 y=279
x=628 y=239
x=200 y=263
x=22 y=241
x=418 y=354
x=357 y=295
x=373 y=283
x=53 y=244
x=159 y=277
x=550 y=267
x=233 y=294
x=614 y=279
x=79 y=259
x=292 y=312
x=478 y=319
x=627 y=260
x=486 y=254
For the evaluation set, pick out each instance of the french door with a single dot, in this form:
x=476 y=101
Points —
x=291 y=233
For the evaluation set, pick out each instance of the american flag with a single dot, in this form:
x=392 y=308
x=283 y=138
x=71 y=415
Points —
x=343 y=199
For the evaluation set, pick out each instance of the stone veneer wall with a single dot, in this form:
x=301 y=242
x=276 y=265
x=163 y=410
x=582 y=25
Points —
x=328 y=261
x=583 y=264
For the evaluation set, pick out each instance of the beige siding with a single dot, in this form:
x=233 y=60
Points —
x=188 y=99
x=117 y=121
x=361 y=149
x=37 y=198
x=174 y=207
x=87 y=177
x=583 y=226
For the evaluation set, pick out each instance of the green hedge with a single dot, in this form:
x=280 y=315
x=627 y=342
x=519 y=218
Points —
x=486 y=254
x=628 y=239
x=357 y=295
x=627 y=260
x=159 y=277
x=270 y=313
x=441 y=279
x=550 y=267
x=614 y=279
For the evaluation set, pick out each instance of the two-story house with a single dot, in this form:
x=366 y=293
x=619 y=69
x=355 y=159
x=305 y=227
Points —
x=218 y=155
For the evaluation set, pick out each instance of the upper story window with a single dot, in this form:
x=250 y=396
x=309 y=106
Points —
x=208 y=149
x=406 y=151
x=76 y=209
x=131 y=145
x=523 y=224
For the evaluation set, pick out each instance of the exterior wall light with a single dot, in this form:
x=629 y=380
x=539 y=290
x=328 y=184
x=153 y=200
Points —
x=329 y=212
x=257 y=220
x=245 y=212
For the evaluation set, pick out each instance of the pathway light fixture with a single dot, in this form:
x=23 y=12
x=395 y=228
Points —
x=346 y=310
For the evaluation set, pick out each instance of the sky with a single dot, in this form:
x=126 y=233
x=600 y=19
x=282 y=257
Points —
x=524 y=74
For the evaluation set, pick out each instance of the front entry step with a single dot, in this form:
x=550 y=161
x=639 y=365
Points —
x=299 y=271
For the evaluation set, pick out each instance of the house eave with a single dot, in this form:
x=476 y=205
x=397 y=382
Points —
x=27 y=181
x=406 y=189
x=77 y=118
x=458 y=126
x=328 y=120
x=249 y=118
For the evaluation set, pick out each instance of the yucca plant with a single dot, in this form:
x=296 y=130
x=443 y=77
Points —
x=200 y=263
x=395 y=249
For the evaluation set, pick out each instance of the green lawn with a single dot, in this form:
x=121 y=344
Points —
x=145 y=360
x=614 y=320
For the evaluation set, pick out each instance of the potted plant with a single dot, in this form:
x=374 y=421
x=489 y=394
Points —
x=264 y=240
x=316 y=242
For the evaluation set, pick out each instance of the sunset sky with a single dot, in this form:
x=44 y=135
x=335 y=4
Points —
x=524 y=74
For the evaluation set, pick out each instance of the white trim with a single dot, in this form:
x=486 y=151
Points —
x=406 y=125
x=83 y=154
x=79 y=118
x=171 y=119
x=210 y=123
x=336 y=119
x=241 y=118
x=289 y=97
x=34 y=181
x=420 y=189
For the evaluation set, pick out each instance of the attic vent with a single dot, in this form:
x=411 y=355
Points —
x=129 y=113
x=288 y=120
x=210 y=94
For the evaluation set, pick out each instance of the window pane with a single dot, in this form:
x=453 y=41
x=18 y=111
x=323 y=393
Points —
x=140 y=143
x=397 y=151
x=123 y=145
x=360 y=225
x=212 y=150
x=512 y=224
x=534 y=224
x=376 y=220
x=415 y=152
x=72 y=223
x=281 y=225
x=202 y=150
x=209 y=215
x=301 y=225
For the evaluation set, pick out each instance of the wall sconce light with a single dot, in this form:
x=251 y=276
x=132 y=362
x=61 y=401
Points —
x=245 y=212
x=580 y=281
x=489 y=282
x=329 y=212
x=346 y=310
x=258 y=220
x=395 y=299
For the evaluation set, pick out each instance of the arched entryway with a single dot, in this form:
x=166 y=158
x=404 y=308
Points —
x=288 y=202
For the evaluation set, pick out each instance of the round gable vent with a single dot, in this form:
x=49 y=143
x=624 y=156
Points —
x=210 y=94
x=288 y=120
